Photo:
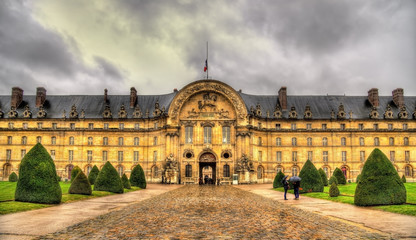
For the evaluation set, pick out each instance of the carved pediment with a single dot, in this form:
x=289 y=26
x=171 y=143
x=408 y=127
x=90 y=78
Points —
x=277 y=112
x=208 y=102
x=27 y=113
x=258 y=112
x=12 y=113
x=341 y=112
x=137 y=113
x=388 y=114
x=207 y=124
x=308 y=113
x=188 y=123
x=73 y=113
x=374 y=114
x=157 y=112
x=293 y=114
x=122 y=113
x=41 y=113
x=107 y=112
x=403 y=113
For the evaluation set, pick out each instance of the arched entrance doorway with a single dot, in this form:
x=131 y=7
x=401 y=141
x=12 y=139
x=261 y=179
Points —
x=207 y=168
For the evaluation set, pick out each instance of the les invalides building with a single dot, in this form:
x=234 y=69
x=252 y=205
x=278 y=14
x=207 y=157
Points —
x=209 y=129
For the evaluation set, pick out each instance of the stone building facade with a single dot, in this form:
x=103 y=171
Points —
x=209 y=129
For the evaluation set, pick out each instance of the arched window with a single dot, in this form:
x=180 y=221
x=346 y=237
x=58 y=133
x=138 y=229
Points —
x=278 y=142
x=406 y=141
x=90 y=140
x=24 y=140
x=259 y=172
x=294 y=141
x=408 y=171
x=155 y=171
x=53 y=140
x=7 y=170
x=188 y=170
x=309 y=141
x=362 y=141
x=343 y=141
x=71 y=140
x=376 y=141
x=226 y=172
x=136 y=141
x=391 y=141
x=226 y=135
x=105 y=141
x=207 y=134
x=324 y=141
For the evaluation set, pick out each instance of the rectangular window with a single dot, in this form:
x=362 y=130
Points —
x=259 y=125
x=391 y=141
x=154 y=156
x=404 y=126
x=90 y=126
x=54 y=126
x=226 y=135
x=294 y=156
x=136 y=126
x=360 y=126
x=310 y=155
x=188 y=170
x=25 y=126
x=226 y=172
x=90 y=141
x=39 y=139
x=309 y=141
x=324 y=126
x=407 y=156
x=361 y=141
x=344 y=156
x=207 y=134
x=8 y=154
x=105 y=156
x=89 y=155
x=105 y=125
x=392 y=155
x=72 y=126
x=155 y=141
x=259 y=142
x=136 y=156
x=277 y=126
x=105 y=141
x=23 y=153
x=136 y=141
x=260 y=156
x=53 y=154
x=342 y=126
x=343 y=141
x=156 y=125
x=390 y=126
x=293 y=126
x=375 y=126
x=120 y=156
x=39 y=125
x=71 y=140
x=324 y=141
x=9 y=140
x=53 y=140
x=120 y=141
x=278 y=142
x=325 y=156
x=121 y=126
x=189 y=132
x=70 y=155
x=279 y=156
x=362 y=156
x=294 y=142
x=309 y=126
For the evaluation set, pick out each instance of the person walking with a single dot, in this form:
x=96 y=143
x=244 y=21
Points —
x=296 y=186
x=285 y=185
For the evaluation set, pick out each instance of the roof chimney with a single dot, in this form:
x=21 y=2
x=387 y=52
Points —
x=40 y=96
x=17 y=97
x=398 y=98
x=283 y=98
x=133 y=97
x=105 y=96
x=373 y=97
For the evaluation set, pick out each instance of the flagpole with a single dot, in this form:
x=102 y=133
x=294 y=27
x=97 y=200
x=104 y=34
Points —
x=207 y=60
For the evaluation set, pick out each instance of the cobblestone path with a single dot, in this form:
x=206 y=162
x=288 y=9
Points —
x=212 y=212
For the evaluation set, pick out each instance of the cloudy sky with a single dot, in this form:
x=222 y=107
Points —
x=310 y=46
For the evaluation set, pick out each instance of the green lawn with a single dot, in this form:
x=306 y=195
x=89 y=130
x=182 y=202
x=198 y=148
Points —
x=347 y=196
x=8 y=205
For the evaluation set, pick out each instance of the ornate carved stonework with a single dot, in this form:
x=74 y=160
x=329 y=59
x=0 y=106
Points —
x=188 y=123
x=403 y=113
x=122 y=113
x=207 y=124
x=169 y=169
x=82 y=115
x=277 y=112
x=258 y=112
x=207 y=86
x=388 y=114
x=226 y=154
x=41 y=113
x=188 y=153
x=157 y=112
x=226 y=123
x=27 y=113
x=244 y=164
x=374 y=114
x=73 y=113
x=193 y=113
x=107 y=112
x=293 y=114
x=332 y=114
x=12 y=113
x=207 y=157
x=308 y=113
x=137 y=113
x=341 y=112
x=208 y=102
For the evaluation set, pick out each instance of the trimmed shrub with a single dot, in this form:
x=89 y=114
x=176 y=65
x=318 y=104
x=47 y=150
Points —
x=332 y=180
x=379 y=183
x=358 y=177
x=311 y=179
x=13 y=177
x=137 y=177
x=38 y=181
x=80 y=185
x=126 y=182
x=93 y=174
x=108 y=180
x=403 y=179
x=340 y=176
x=278 y=180
x=75 y=172
x=323 y=177
x=333 y=190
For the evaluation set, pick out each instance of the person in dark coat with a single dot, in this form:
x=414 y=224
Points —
x=285 y=185
x=296 y=186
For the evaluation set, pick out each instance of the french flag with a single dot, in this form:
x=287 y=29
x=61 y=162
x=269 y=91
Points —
x=206 y=65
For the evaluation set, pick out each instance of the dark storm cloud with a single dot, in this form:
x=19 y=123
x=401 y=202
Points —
x=28 y=50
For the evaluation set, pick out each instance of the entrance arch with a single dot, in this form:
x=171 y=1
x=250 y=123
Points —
x=208 y=166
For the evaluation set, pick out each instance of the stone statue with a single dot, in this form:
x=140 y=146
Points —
x=169 y=168
x=244 y=164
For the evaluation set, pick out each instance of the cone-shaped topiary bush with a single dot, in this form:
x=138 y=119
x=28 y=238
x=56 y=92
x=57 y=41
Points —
x=311 y=179
x=75 y=172
x=333 y=190
x=278 y=180
x=380 y=183
x=358 y=177
x=80 y=185
x=323 y=177
x=37 y=178
x=340 y=176
x=108 y=180
x=137 y=177
x=126 y=182
x=13 y=177
x=333 y=179
x=93 y=174
x=403 y=179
